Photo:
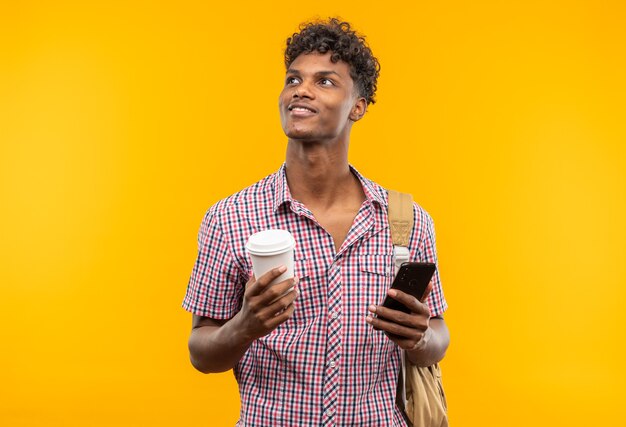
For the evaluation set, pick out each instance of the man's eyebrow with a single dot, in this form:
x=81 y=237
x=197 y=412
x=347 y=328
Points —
x=317 y=73
x=327 y=73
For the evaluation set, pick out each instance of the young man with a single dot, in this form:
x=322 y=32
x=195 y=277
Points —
x=316 y=356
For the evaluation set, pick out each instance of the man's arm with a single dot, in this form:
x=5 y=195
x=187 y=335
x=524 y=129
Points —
x=433 y=346
x=217 y=345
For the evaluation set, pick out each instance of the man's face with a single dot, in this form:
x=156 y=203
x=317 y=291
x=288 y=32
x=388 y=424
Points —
x=319 y=101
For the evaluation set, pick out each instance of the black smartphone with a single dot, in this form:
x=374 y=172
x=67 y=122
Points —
x=413 y=279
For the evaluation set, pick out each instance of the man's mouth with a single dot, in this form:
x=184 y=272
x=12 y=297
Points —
x=301 y=109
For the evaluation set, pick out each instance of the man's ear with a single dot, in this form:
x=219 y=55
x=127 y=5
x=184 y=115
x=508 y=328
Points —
x=358 y=110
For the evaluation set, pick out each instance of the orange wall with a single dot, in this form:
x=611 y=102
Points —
x=122 y=122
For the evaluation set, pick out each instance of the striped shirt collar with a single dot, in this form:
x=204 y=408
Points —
x=373 y=192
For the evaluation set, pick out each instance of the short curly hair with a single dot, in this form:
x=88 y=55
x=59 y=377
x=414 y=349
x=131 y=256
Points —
x=344 y=44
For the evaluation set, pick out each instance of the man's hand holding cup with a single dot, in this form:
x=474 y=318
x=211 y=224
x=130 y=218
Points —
x=268 y=300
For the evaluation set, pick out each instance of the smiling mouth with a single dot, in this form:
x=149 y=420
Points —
x=301 y=109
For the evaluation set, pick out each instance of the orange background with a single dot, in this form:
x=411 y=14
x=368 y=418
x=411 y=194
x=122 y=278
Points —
x=122 y=122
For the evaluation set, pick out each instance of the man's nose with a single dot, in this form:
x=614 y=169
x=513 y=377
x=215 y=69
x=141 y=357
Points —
x=304 y=90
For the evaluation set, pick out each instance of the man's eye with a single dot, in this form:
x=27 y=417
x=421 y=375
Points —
x=326 y=82
x=292 y=80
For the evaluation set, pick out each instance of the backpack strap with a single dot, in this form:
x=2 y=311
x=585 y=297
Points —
x=401 y=222
x=401 y=225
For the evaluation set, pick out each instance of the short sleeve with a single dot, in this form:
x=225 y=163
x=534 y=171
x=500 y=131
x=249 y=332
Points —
x=215 y=287
x=423 y=249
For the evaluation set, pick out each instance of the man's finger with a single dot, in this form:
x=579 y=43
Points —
x=395 y=316
x=393 y=328
x=409 y=301
x=280 y=318
x=280 y=304
x=260 y=284
x=272 y=293
x=427 y=292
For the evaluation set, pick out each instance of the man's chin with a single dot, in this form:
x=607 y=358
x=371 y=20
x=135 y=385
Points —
x=301 y=135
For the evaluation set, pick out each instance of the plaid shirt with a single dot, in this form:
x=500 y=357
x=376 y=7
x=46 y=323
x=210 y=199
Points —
x=325 y=366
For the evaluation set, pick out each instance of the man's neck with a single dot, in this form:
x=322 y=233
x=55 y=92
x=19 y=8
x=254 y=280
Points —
x=319 y=175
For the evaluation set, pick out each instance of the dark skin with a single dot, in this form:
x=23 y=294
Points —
x=318 y=106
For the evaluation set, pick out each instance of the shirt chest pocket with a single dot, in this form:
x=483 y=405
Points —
x=379 y=264
x=374 y=276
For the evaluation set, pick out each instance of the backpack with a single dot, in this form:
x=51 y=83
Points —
x=420 y=389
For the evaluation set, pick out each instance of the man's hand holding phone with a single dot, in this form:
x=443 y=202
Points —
x=403 y=317
x=408 y=330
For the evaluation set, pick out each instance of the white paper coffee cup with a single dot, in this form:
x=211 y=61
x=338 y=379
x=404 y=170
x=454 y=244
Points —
x=270 y=249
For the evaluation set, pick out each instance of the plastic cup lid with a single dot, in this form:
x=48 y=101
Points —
x=270 y=242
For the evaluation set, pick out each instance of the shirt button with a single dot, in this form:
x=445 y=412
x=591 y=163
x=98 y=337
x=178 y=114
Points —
x=334 y=315
x=332 y=364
